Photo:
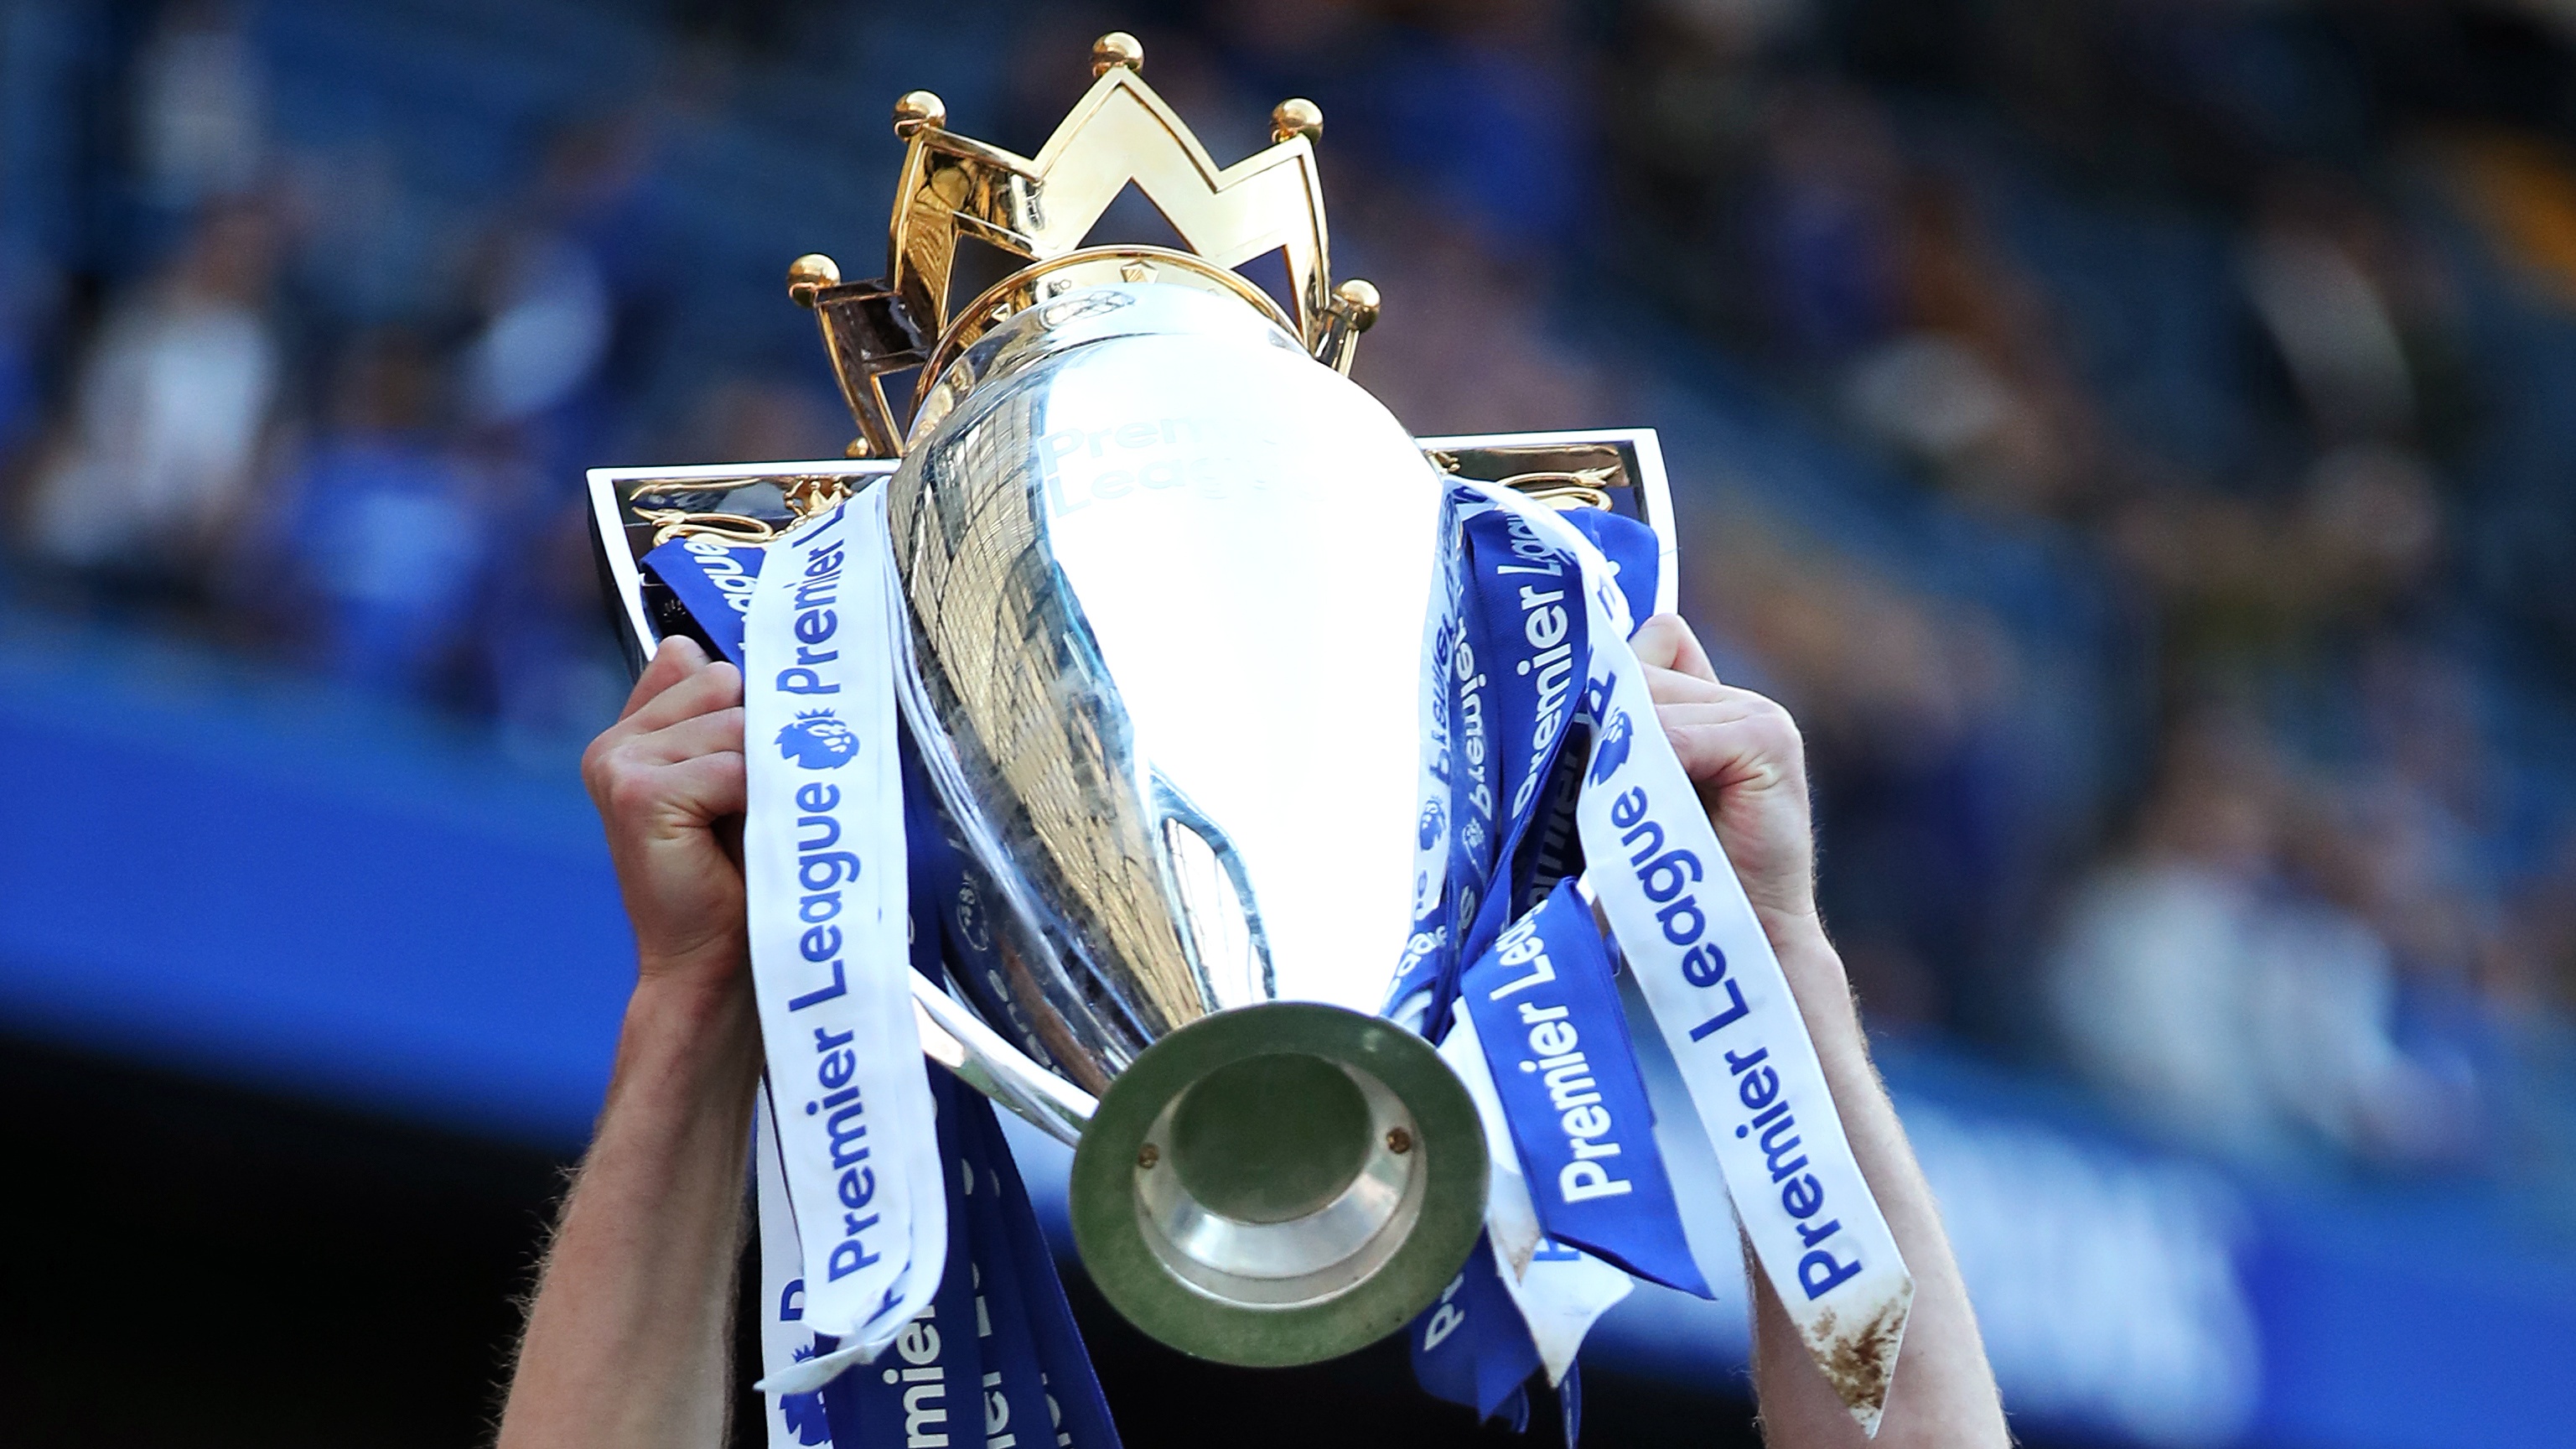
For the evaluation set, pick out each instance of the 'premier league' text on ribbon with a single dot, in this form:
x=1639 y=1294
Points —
x=825 y=868
x=1554 y=1038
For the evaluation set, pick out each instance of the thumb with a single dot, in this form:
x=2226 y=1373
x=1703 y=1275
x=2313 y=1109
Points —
x=1665 y=642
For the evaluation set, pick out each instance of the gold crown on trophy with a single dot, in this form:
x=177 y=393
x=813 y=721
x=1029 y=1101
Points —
x=954 y=188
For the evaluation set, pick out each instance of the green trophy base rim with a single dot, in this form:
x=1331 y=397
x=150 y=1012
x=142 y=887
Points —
x=1279 y=1184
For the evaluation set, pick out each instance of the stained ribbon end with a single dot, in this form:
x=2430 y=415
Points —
x=1859 y=1361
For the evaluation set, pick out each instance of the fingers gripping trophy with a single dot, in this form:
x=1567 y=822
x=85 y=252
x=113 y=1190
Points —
x=1149 y=734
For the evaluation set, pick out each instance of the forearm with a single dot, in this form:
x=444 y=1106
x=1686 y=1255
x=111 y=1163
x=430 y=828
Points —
x=627 y=1340
x=1943 y=1393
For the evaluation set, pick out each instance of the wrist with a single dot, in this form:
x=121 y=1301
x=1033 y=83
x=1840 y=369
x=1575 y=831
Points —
x=686 y=994
x=1816 y=976
x=688 y=1032
x=709 y=964
x=1793 y=931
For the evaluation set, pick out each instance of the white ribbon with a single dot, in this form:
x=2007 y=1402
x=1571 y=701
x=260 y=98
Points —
x=824 y=866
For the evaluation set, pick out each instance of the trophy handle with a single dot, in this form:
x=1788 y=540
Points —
x=982 y=1058
x=956 y=1038
x=1192 y=841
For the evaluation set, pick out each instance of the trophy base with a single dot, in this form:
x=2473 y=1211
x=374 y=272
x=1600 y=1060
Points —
x=1279 y=1184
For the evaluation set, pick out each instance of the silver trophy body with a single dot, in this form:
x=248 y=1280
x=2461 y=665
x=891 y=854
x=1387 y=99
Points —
x=1166 y=577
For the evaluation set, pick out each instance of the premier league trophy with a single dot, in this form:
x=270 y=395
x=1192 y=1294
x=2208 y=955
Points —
x=1169 y=610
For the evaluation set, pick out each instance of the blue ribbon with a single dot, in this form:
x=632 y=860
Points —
x=1510 y=648
x=1471 y=1347
x=713 y=582
x=1636 y=556
x=952 y=906
x=1074 y=1402
x=1514 y=655
x=1547 y=1014
x=1014 y=1387
x=1530 y=618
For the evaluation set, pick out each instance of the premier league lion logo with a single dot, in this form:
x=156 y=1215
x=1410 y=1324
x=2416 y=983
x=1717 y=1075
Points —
x=1612 y=752
x=803 y=1413
x=818 y=740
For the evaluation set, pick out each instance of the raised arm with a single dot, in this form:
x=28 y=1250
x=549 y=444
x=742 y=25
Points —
x=1744 y=754
x=626 y=1341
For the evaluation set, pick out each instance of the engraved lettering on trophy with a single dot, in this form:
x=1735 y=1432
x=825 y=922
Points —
x=1070 y=484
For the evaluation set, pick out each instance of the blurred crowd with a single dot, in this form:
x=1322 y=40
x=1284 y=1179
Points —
x=246 y=422
x=2163 y=518
x=2244 y=313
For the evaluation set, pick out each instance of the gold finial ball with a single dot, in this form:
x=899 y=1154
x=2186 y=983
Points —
x=810 y=274
x=918 y=111
x=1299 y=117
x=1115 y=49
x=1360 y=300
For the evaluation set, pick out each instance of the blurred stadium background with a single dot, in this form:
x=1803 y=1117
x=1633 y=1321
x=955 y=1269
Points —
x=2137 y=437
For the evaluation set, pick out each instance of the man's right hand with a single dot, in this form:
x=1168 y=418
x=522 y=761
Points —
x=664 y=776
x=1744 y=755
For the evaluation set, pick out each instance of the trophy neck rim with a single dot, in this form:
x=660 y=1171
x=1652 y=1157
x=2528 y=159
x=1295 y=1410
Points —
x=1043 y=281
x=1098 y=304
